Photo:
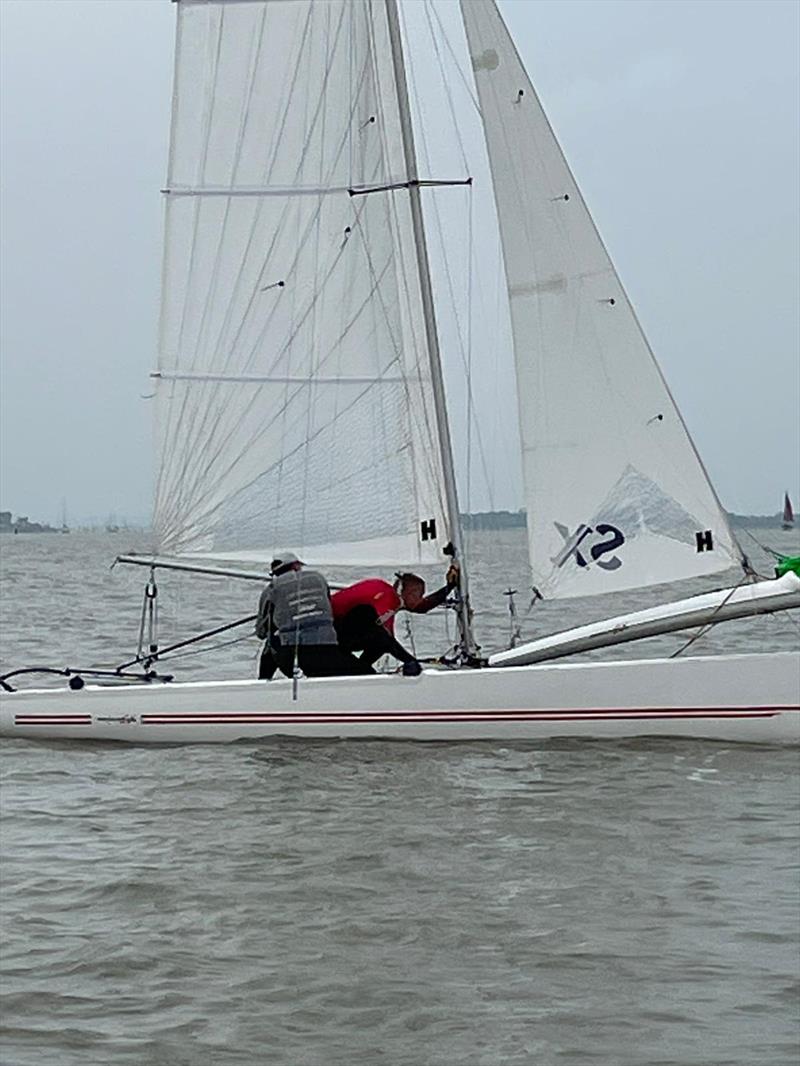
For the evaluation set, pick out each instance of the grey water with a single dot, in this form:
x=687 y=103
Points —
x=339 y=904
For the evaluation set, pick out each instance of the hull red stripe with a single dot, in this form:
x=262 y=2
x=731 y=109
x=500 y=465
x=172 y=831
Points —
x=524 y=716
x=510 y=712
x=52 y=719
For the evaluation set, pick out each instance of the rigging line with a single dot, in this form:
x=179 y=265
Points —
x=396 y=345
x=388 y=210
x=224 y=474
x=235 y=427
x=763 y=547
x=195 y=471
x=244 y=112
x=459 y=331
x=465 y=350
x=422 y=409
x=470 y=266
x=456 y=63
x=300 y=250
x=410 y=406
x=446 y=84
x=156 y=655
x=293 y=451
x=298 y=254
x=389 y=213
x=310 y=128
x=204 y=651
x=199 y=429
x=711 y=623
x=468 y=361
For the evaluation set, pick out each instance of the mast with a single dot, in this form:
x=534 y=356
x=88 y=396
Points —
x=429 y=312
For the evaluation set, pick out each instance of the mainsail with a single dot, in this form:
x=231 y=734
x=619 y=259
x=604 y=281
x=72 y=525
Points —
x=616 y=495
x=295 y=400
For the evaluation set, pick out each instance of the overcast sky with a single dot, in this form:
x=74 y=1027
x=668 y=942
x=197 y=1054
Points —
x=679 y=118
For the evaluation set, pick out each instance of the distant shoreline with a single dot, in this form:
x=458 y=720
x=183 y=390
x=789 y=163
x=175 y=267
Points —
x=518 y=520
x=480 y=520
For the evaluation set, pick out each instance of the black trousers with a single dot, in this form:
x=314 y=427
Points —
x=360 y=630
x=268 y=663
x=318 y=660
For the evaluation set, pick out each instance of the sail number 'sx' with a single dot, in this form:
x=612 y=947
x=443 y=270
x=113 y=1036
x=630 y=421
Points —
x=577 y=547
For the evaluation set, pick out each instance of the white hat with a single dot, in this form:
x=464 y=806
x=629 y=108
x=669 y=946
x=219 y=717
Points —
x=282 y=560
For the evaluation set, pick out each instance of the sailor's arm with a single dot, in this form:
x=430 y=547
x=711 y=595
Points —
x=436 y=599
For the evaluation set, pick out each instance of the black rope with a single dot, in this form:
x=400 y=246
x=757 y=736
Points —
x=148 y=659
x=213 y=647
x=764 y=548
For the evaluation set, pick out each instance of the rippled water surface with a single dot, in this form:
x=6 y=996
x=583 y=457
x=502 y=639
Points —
x=317 y=904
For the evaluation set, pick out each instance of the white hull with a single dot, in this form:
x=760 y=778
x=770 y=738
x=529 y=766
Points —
x=753 y=698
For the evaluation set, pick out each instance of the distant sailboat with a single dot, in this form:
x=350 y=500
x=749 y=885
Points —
x=788 y=513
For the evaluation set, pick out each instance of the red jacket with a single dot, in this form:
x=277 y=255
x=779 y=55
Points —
x=374 y=592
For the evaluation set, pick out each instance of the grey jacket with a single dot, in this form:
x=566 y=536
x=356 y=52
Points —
x=296 y=606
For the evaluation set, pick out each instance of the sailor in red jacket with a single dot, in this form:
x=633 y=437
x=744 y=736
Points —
x=363 y=615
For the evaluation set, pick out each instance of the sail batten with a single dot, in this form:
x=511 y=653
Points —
x=615 y=492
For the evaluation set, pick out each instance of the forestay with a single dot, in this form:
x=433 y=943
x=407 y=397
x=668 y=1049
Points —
x=294 y=398
x=615 y=493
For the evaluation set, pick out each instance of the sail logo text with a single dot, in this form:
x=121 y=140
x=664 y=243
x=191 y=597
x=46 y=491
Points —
x=577 y=546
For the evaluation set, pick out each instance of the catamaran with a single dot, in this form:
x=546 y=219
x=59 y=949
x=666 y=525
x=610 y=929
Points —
x=301 y=400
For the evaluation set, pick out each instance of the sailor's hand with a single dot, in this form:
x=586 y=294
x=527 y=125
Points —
x=453 y=574
x=412 y=669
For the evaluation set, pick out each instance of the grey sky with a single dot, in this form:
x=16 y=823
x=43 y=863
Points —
x=679 y=118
